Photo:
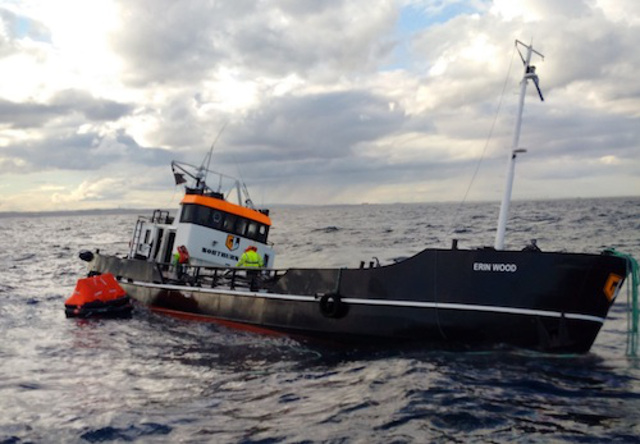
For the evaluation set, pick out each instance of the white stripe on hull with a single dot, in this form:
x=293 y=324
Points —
x=382 y=302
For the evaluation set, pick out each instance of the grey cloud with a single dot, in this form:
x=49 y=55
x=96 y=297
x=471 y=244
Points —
x=572 y=9
x=93 y=109
x=26 y=115
x=588 y=50
x=68 y=152
x=318 y=39
x=33 y=114
x=353 y=171
x=580 y=132
x=168 y=42
x=317 y=126
x=180 y=127
x=79 y=152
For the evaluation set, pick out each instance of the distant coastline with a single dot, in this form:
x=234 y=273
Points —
x=143 y=211
x=94 y=212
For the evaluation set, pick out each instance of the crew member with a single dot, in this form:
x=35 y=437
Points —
x=250 y=258
x=180 y=260
x=181 y=256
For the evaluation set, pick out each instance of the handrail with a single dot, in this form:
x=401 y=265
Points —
x=212 y=276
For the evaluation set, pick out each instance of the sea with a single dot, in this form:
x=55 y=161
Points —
x=157 y=379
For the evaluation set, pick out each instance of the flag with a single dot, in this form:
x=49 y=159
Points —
x=179 y=178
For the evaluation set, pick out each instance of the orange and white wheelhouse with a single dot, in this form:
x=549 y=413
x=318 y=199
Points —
x=217 y=231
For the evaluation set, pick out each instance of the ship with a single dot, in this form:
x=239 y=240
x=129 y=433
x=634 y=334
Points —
x=438 y=298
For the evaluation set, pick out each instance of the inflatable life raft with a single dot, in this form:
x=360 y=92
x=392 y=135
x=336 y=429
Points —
x=98 y=296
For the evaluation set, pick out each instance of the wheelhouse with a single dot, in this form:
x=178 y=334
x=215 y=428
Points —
x=217 y=231
x=214 y=230
x=224 y=216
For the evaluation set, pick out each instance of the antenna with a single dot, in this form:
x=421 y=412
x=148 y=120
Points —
x=241 y=184
x=199 y=175
x=202 y=171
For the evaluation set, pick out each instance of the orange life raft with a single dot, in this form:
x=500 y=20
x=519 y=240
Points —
x=98 y=296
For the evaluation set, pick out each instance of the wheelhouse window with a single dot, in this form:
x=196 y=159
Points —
x=188 y=213
x=241 y=226
x=219 y=220
x=252 y=230
x=229 y=223
x=216 y=219
x=263 y=231
x=203 y=216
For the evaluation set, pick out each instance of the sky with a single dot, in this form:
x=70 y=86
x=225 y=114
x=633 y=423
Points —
x=315 y=102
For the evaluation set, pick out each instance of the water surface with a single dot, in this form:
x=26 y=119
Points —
x=158 y=379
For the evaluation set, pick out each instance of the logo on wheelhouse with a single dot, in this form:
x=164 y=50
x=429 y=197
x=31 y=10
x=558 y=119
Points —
x=233 y=242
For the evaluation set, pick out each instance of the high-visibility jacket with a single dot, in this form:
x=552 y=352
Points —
x=250 y=259
x=181 y=256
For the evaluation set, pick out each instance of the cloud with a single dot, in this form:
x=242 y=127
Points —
x=93 y=109
x=14 y=27
x=26 y=115
x=167 y=43
x=538 y=10
x=101 y=189
x=324 y=102
x=31 y=114
x=79 y=151
x=316 y=126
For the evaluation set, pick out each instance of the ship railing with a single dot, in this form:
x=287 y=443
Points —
x=161 y=217
x=254 y=279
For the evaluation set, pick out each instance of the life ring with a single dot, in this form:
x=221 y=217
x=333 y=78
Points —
x=331 y=306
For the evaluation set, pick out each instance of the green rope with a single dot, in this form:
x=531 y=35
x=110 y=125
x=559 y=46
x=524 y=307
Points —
x=632 y=302
x=633 y=312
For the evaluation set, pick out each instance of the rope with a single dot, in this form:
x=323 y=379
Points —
x=633 y=311
x=486 y=144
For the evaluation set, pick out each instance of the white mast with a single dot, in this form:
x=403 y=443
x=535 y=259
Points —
x=529 y=74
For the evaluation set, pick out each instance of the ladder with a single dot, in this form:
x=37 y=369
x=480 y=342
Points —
x=137 y=233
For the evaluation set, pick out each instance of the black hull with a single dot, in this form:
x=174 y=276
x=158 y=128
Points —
x=553 y=302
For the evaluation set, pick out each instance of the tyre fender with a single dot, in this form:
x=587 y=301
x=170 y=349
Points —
x=332 y=306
